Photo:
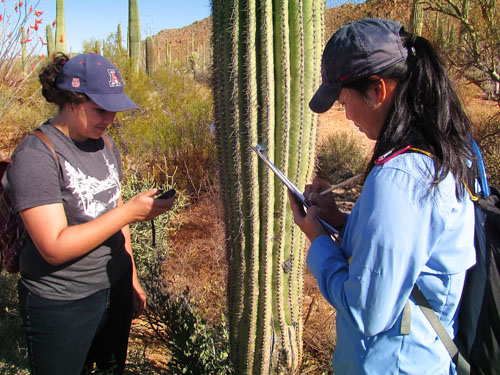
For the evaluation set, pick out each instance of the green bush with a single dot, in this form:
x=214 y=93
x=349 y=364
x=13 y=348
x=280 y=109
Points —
x=25 y=113
x=173 y=123
x=340 y=157
x=146 y=245
x=195 y=346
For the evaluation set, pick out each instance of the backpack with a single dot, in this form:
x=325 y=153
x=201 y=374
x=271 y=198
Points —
x=476 y=348
x=12 y=231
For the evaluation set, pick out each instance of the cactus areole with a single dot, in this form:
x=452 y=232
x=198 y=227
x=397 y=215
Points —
x=266 y=65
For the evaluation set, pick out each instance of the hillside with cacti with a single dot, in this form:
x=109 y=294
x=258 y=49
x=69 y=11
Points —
x=188 y=45
x=193 y=41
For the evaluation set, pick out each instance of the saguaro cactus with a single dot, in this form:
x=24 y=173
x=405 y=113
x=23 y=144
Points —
x=149 y=55
x=134 y=35
x=266 y=60
x=60 y=27
x=417 y=17
x=119 y=45
x=51 y=47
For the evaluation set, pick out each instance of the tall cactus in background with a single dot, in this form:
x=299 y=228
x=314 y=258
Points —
x=97 y=47
x=51 y=47
x=417 y=17
x=60 y=27
x=134 y=35
x=266 y=64
x=168 y=52
x=119 y=38
x=149 y=55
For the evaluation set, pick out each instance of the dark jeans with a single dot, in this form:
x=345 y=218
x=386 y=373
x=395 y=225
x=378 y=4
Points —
x=63 y=337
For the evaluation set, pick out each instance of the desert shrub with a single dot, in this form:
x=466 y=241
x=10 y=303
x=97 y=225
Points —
x=25 y=113
x=194 y=345
x=149 y=246
x=340 y=157
x=173 y=123
x=488 y=136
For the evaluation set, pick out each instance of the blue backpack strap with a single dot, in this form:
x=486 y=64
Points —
x=481 y=169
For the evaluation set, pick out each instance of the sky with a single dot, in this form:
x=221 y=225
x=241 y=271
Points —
x=86 y=19
x=97 y=19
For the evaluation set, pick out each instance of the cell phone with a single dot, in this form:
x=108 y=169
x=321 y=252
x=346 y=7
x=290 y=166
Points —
x=165 y=195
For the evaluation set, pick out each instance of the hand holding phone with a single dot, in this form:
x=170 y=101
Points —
x=165 y=195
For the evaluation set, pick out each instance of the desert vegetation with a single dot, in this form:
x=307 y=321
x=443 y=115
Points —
x=167 y=143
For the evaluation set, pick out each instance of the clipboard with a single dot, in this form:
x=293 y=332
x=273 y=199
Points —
x=289 y=184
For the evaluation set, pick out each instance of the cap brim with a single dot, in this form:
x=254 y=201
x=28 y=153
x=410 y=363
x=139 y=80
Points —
x=113 y=102
x=324 y=97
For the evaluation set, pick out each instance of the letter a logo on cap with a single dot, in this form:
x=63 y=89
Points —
x=114 y=81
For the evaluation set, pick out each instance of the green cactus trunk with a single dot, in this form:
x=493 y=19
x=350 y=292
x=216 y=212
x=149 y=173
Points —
x=417 y=17
x=266 y=59
x=134 y=35
x=51 y=47
x=168 y=54
x=119 y=45
x=60 y=27
x=149 y=55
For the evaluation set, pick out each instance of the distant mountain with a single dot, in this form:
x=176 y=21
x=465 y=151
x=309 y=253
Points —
x=191 y=44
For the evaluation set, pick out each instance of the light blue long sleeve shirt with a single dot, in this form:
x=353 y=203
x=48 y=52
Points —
x=396 y=236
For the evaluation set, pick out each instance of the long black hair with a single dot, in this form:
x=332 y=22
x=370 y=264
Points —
x=426 y=113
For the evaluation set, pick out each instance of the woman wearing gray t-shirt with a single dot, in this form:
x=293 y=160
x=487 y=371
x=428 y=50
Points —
x=78 y=289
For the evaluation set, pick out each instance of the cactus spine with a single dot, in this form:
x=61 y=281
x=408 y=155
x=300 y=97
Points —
x=60 y=27
x=262 y=82
x=149 y=55
x=51 y=47
x=134 y=35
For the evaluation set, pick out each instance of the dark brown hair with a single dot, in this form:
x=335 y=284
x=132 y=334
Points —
x=51 y=93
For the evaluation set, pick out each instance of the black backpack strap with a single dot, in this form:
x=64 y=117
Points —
x=463 y=367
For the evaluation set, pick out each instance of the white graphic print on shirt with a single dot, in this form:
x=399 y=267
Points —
x=89 y=190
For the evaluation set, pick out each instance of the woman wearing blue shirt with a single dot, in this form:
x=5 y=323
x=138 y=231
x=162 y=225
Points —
x=413 y=222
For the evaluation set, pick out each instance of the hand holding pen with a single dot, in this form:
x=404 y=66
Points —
x=315 y=195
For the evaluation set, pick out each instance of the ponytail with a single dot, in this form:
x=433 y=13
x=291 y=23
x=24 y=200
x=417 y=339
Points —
x=427 y=113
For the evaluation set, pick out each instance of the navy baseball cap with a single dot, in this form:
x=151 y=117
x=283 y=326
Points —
x=355 y=51
x=98 y=78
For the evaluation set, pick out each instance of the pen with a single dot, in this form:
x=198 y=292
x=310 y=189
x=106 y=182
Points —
x=342 y=184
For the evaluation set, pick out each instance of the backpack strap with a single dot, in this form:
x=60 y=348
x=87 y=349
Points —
x=38 y=133
x=463 y=367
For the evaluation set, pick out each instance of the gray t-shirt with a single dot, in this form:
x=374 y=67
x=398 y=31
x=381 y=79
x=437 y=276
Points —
x=87 y=183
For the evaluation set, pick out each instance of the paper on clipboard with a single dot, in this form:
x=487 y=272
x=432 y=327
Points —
x=259 y=150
